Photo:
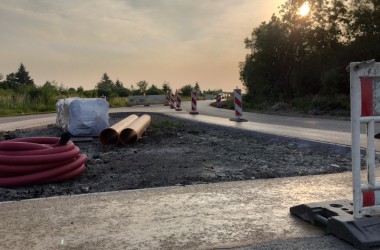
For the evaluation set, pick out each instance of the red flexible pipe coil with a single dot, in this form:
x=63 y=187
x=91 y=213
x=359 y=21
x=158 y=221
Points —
x=38 y=160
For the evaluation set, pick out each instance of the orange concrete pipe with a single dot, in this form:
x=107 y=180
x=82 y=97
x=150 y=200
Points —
x=135 y=130
x=111 y=135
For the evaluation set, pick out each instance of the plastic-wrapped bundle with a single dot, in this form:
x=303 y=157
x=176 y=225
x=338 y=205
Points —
x=82 y=116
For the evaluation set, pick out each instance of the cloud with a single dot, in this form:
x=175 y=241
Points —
x=129 y=39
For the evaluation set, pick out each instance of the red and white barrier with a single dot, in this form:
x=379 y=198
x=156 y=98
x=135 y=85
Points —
x=172 y=100
x=238 y=106
x=167 y=103
x=218 y=101
x=365 y=109
x=194 y=103
x=179 y=97
x=370 y=96
x=371 y=198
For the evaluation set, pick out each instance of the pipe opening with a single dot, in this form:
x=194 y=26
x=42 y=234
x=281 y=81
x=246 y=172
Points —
x=128 y=136
x=109 y=136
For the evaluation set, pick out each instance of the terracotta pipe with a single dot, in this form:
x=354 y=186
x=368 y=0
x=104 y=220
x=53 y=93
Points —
x=111 y=135
x=134 y=131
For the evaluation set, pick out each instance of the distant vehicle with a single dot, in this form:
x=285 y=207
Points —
x=222 y=95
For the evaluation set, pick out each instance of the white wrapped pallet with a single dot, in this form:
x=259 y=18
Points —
x=82 y=116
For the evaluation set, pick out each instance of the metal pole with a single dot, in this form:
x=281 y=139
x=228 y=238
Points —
x=355 y=91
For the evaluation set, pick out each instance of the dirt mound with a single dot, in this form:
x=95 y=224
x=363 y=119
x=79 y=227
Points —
x=179 y=152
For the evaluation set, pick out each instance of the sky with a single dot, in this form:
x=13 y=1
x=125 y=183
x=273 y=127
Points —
x=180 y=42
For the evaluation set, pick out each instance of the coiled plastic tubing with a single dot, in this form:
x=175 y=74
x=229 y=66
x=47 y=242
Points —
x=38 y=160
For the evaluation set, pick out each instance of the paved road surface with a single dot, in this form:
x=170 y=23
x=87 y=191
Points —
x=323 y=130
x=241 y=215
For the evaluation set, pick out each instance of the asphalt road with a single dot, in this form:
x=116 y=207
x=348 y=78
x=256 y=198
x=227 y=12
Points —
x=314 y=129
x=323 y=130
x=204 y=109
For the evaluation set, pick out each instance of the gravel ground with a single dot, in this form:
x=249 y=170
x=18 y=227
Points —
x=179 y=152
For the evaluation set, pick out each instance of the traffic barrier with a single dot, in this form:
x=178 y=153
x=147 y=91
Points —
x=356 y=221
x=179 y=96
x=167 y=103
x=238 y=106
x=365 y=109
x=194 y=103
x=172 y=100
x=371 y=198
x=219 y=101
x=370 y=87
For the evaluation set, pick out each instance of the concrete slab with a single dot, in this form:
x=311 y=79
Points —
x=208 y=216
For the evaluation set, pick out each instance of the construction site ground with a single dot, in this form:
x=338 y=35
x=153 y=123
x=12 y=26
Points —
x=178 y=152
x=183 y=185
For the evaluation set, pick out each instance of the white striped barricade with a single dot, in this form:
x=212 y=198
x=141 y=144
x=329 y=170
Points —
x=238 y=107
x=218 y=101
x=172 y=100
x=365 y=110
x=179 y=97
x=167 y=103
x=370 y=111
x=194 y=103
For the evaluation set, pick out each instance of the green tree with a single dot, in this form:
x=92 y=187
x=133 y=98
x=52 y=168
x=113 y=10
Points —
x=80 y=89
x=166 y=87
x=105 y=86
x=90 y=93
x=2 y=83
x=288 y=54
x=11 y=81
x=19 y=81
x=121 y=90
x=23 y=77
x=153 y=90
x=186 y=90
x=142 y=86
x=197 y=88
x=265 y=71
x=363 y=29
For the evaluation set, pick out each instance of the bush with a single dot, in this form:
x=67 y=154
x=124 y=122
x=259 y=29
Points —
x=322 y=103
x=118 y=102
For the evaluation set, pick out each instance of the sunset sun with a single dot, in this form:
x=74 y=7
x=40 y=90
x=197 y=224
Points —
x=305 y=9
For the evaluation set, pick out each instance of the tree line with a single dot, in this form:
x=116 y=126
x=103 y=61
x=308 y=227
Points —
x=294 y=56
x=20 y=94
x=20 y=82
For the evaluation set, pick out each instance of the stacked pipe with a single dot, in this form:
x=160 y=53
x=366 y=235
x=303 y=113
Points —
x=38 y=160
x=127 y=131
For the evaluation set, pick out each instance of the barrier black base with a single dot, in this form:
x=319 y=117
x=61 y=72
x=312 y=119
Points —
x=337 y=218
x=238 y=119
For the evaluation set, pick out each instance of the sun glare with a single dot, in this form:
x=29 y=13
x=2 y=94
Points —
x=305 y=9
